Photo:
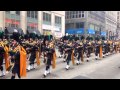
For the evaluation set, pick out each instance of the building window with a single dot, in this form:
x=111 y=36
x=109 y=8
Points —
x=70 y=26
x=18 y=12
x=82 y=15
x=32 y=14
x=46 y=18
x=36 y=14
x=28 y=13
x=12 y=19
x=80 y=25
x=79 y=15
x=7 y=11
x=32 y=20
x=57 y=20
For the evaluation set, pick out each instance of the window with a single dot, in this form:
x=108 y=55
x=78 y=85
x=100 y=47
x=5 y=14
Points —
x=82 y=15
x=32 y=20
x=36 y=14
x=46 y=17
x=80 y=25
x=79 y=15
x=32 y=14
x=18 y=12
x=7 y=11
x=28 y=13
x=12 y=19
x=57 y=20
x=76 y=16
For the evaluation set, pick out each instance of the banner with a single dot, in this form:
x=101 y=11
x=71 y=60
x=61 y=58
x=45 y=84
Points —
x=58 y=34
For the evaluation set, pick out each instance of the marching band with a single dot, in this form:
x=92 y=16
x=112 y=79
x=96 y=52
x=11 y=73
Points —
x=17 y=51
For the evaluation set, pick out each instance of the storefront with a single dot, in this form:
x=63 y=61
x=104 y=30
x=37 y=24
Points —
x=9 y=31
x=47 y=32
x=34 y=31
x=91 y=31
x=75 y=31
x=47 y=29
x=103 y=34
x=58 y=34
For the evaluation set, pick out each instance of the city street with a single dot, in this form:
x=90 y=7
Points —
x=107 y=68
x=41 y=30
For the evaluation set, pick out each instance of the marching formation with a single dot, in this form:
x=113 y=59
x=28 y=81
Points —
x=21 y=53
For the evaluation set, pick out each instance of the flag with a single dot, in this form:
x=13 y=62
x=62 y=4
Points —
x=23 y=58
x=6 y=55
x=54 y=61
x=38 y=58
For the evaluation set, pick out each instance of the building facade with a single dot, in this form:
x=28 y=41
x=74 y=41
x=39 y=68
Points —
x=111 y=24
x=118 y=24
x=118 y=19
x=85 y=22
x=47 y=22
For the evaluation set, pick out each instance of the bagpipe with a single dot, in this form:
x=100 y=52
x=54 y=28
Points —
x=70 y=50
x=50 y=50
x=80 y=49
x=29 y=46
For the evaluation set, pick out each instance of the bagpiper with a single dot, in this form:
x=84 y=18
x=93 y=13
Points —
x=18 y=55
x=49 y=55
x=69 y=55
x=87 y=48
x=80 y=53
x=98 y=49
x=2 y=52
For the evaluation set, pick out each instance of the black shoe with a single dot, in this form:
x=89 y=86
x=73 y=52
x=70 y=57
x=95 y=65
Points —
x=87 y=60
x=77 y=64
x=96 y=59
x=64 y=61
x=67 y=69
x=44 y=76
x=49 y=73
x=2 y=75
x=27 y=70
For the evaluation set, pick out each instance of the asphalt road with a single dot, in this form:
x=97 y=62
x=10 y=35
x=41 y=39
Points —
x=106 y=68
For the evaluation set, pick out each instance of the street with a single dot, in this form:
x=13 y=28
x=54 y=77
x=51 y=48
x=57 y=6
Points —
x=107 y=68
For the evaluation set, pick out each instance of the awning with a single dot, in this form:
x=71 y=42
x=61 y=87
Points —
x=75 y=31
x=79 y=31
x=34 y=31
x=103 y=33
x=10 y=30
x=91 y=31
x=70 y=31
